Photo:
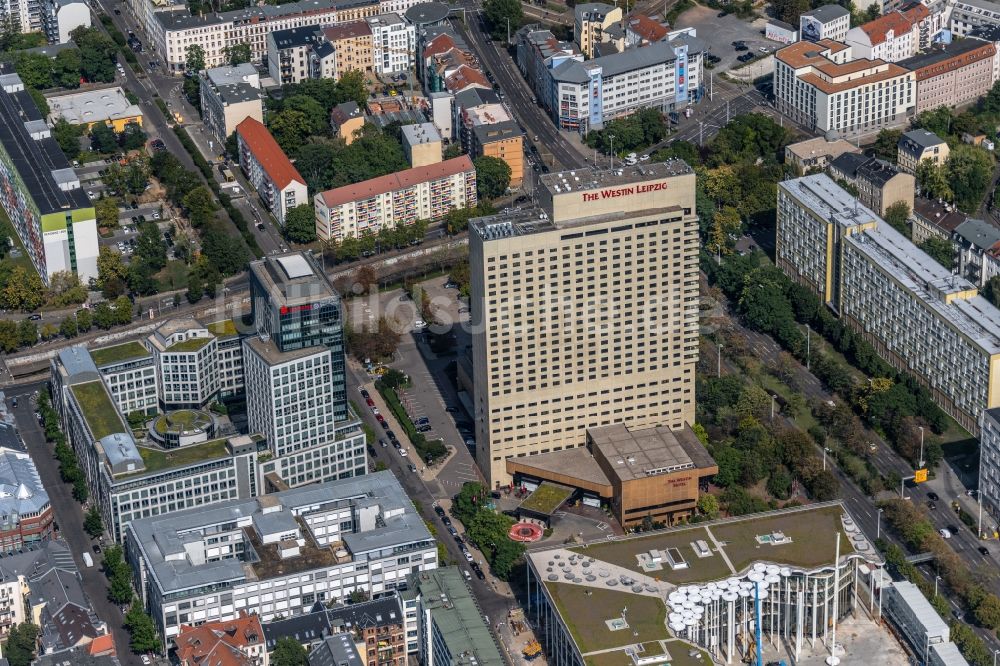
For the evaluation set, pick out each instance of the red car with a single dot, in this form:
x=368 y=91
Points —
x=371 y=403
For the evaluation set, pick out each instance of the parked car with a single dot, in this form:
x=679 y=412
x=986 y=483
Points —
x=365 y=394
x=402 y=451
x=425 y=428
x=746 y=57
x=382 y=443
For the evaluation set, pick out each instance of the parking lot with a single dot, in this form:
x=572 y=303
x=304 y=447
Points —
x=719 y=32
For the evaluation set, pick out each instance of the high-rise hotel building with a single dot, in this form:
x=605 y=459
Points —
x=585 y=311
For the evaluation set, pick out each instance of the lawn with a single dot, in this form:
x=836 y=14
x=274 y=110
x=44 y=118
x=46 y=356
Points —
x=223 y=329
x=97 y=408
x=623 y=553
x=181 y=420
x=118 y=353
x=158 y=459
x=811 y=532
x=546 y=498
x=189 y=345
x=677 y=649
x=585 y=615
x=173 y=276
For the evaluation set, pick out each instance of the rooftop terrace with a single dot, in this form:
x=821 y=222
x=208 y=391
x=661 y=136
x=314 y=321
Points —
x=118 y=353
x=157 y=460
x=189 y=345
x=223 y=329
x=95 y=403
x=546 y=498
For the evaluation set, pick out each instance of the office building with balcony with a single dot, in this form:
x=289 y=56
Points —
x=422 y=193
x=186 y=357
x=278 y=183
x=279 y=555
x=40 y=192
x=230 y=95
x=544 y=376
x=919 y=317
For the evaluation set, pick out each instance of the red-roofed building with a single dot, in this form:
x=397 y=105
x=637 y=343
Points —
x=892 y=37
x=640 y=30
x=423 y=193
x=269 y=170
x=238 y=642
x=466 y=77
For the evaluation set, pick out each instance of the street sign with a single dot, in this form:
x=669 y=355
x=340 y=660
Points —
x=919 y=475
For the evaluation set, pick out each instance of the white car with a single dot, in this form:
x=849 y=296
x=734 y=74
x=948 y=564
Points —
x=402 y=452
x=468 y=556
x=375 y=411
x=945 y=533
x=420 y=323
x=643 y=158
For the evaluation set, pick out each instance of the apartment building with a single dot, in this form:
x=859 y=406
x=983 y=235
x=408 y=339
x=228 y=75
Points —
x=953 y=75
x=989 y=462
x=977 y=250
x=485 y=127
x=592 y=22
x=917 y=315
x=931 y=218
x=544 y=375
x=186 y=357
x=918 y=145
x=817 y=153
x=539 y=52
x=969 y=15
x=230 y=95
x=352 y=43
x=818 y=85
x=879 y=183
x=130 y=373
x=277 y=556
x=25 y=14
x=59 y=18
x=830 y=21
x=291 y=56
x=641 y=30
x=346 y=120
x=891 y=37
x=421 y=144
x=422 y=193
x=394 y=43
x=664 y=75
x=278 y=183
x=40 y=192
x=451 y=628
x=235 y=642
x=24 y=504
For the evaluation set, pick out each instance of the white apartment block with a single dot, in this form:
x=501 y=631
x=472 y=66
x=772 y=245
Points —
x=584 y=311
x=26 y=14
x=230 y=357
x=186 y=355
x=277 y=181
x=129 y=371
x=665 y=75
x=917 y=315
x=61 y=17
x=830 y=21
x=969 y=15
x=423 y=193
x=892 y=37
x=819 y=86
x=279 y=555
x=394 y=43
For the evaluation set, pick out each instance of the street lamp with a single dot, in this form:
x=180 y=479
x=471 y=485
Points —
x=773 y=398
x=921 y=463
x=878 y=524
x=719 y=373
x=936 y=579
x=995 y=653
x=825 y=450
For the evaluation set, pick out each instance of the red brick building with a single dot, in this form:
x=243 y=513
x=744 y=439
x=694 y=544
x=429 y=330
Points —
x=25 y=511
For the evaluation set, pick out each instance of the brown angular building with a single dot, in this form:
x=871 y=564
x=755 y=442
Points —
x=954 y=75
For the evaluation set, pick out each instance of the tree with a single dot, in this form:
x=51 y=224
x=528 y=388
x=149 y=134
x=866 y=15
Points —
x=107 y=212
x=67 y=66
x=104 y=316
x=150 y=248
x=200 y=205
x=20 y=647
x=492 y=176
x=195 y=288
x=103 y=138
x=68 y=138
x=65 y=289
x=790 y=10
x=312 y=110
x=123 y=310
x=300 y=224
x=142 y=629
x=991 y=291
x=93 y=525
x=468 y=501
x=970 y=172
x=503 y=17
x=34 y=69
x=24 y=290
x=290 y=129
x=228 y=257
x=886 y=144
x=933 y=181
x=897 y=215
x=726 y=222
x=194 y=58
x=111 y=272
x=352 y=87
x=940 y=250
x=68 y=327
x=27 y=333
x=97 y=54
x=132 y=137
x=289 y=652
x=237 y=54
x=8 y=335
x=708 y=505
x=84 y=320
x=377 y=342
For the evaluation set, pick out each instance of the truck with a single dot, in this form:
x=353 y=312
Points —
x=88 y=560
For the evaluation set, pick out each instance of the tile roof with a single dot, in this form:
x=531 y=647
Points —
x=396 y=181
x=646 y=28
x=347 y=30
x=878 y=30
x=465 y=77
x=801 y=55
x=270 y=155
x=219 y=643
x=439 y=44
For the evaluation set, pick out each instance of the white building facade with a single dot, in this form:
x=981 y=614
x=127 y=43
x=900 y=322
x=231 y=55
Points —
x=186 y=358
x=394 y=43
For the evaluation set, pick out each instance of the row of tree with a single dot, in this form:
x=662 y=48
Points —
x=487 y=529
x=69 y=469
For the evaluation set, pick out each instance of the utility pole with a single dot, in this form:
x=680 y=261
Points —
x=711 y=86
x=508 y=31
x=727 y=111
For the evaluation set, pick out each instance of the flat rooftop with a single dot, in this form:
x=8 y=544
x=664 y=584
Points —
x=269 y=351
x=127 y=351
x=829 y=200
x=641 y=453
x=949 y=296
x=98 y=409
x=458 y=617
x=292 y=279
x=188 y=346
x=157 y=459
x=92 y=106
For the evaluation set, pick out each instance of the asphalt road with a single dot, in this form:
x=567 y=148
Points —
x=498 y=62
x=69 y=515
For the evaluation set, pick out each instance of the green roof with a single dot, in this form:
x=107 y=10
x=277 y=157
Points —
x=457 y=616
x=546 y=498
x=118 y=353
x=189 y=345
x=224 y=328
x=98 y=409
x=157 y=460
x=181 y=420
x=586 y=609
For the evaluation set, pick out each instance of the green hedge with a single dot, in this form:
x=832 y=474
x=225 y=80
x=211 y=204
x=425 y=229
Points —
x=429 y=451
x=206 y=169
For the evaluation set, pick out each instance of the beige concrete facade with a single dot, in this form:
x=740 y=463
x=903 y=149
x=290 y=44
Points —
x=590 y=23
x=956 y=80
x=585 y=311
